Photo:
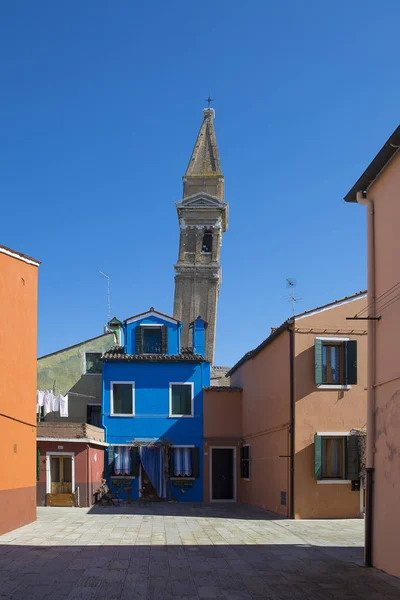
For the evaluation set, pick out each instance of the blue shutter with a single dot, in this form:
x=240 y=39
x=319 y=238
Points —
x=195 y=462
x=318 y=457
x=318 y=362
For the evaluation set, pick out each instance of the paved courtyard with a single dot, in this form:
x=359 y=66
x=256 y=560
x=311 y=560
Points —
x=176 y=551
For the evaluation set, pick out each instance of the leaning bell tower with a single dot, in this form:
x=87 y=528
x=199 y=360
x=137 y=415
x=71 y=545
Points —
x=203 y=218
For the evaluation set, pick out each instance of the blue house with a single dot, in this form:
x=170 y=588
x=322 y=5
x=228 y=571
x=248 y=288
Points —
x=153 y=410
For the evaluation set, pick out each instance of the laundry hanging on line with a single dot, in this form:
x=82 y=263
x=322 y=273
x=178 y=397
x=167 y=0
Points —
x=51 y=403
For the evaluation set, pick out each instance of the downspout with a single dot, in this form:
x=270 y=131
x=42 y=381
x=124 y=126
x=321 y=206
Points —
x=292 y=424
x=87 y=475
x=369 y=468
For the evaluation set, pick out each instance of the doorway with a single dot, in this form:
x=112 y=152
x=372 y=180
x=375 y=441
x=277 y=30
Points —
x=223 y=474
x=60 y=479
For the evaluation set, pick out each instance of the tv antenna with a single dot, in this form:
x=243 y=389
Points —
x=108 y=296
x=291 y=283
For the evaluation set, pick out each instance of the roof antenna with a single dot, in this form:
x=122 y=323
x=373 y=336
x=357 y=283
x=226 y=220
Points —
x=291 y=283
x=108 y=298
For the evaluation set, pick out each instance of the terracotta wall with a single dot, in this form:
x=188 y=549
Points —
x=222 y=426
x=321 y=410
x=89 y=467
x=18 y=331
x=265 y=381
x=386 y=500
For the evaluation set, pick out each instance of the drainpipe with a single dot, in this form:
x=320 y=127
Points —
x=362 y=199
x=87 y=476
x=291 y=425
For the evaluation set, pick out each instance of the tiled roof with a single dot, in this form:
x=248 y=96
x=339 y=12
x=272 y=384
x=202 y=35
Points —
x=116 y=353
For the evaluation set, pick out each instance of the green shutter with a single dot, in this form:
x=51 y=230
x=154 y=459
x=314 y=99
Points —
x=318 y=362
x=139 y=339
x=135 y=461
x=351 y=362
x=241 y=461
x=195 y=462
x=352 y=458
x=164 y=339
x=318 y=457
x=38 y=464
x=110 y=459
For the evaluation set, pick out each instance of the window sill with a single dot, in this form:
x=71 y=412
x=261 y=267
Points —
x=180 y=416
x=333 y=386
x=245 y=478
x=130 y=477
x=329 y=481
x=93 y=373
x=121 y=415
x=182 y=478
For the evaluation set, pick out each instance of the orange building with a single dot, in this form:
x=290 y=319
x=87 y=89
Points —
x=18 y=336
x=378 y=188
x=282 y=436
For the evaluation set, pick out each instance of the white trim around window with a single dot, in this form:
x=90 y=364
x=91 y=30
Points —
x=112 y=413
x=191 y=383
x=48 y=470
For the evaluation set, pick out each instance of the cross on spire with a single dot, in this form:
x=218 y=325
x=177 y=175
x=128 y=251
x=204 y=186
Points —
x=209 y=100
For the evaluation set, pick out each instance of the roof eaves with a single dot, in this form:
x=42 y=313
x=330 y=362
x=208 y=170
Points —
x=331 y=304
x=19 y=255
x=266 y=342
x=380 y=161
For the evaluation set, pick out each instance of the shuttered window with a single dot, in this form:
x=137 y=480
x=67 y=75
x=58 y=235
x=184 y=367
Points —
x=181 y=400
x=151 y=340
x=336 y=457
x=123 y=461
x=335 y=362
x=245 y=462
x=184 y=462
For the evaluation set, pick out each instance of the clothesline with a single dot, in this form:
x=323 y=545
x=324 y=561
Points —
x=51 y=403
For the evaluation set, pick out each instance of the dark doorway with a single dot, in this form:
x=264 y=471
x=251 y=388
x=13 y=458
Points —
x=222 y=478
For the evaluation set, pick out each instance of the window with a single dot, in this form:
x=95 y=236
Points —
x=245 y=462
x=207 y=242
x=336 y=457
x=93 y=362
x=122 y=461
x=181 y=400
x=151 y=339
x=335 y=362
x=122 y=396
x=94 y=415
x=184 y=462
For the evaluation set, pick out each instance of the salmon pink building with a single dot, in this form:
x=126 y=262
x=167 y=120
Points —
x=378 y=189
x=18 y=338
x=283 y=436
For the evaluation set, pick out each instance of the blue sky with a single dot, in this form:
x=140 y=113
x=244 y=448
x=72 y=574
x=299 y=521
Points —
x=100 y=107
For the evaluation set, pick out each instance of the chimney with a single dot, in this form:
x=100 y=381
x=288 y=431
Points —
x=115 y=326
x=198 y=328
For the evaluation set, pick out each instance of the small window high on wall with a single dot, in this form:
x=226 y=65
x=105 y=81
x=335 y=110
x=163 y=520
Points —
x=206 y=246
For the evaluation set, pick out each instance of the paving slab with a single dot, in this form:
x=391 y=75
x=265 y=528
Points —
x=189 y=551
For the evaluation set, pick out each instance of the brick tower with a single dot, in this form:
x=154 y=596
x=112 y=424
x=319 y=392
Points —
x=203 y=218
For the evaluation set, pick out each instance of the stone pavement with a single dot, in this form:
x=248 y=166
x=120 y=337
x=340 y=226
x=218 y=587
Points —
x=186 y=552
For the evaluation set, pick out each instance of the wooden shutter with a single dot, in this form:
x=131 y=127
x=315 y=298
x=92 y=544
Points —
x=38 y=464
x=351 y=362
x=241 y=462
x=110 y=459
x=352 y=458
x=164 y=339
x=139 y=339
x=318 y=457
x=318 y=362
x=195 y=462
x=135 y=461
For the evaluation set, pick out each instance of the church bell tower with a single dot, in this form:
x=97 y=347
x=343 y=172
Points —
x=203 y=218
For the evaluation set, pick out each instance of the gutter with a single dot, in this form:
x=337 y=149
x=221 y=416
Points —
x=369 y=469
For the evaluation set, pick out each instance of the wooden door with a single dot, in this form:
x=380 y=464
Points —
x=222 y=474
x=61 y=474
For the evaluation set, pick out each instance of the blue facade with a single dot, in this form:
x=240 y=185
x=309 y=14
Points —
x=160 y=382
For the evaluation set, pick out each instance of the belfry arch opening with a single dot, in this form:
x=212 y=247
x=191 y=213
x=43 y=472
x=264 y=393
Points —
x=206 y=246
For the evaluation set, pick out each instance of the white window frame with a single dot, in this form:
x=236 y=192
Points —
x=342 y=434
x=249 y=477
x=333 y=386
x=191 y=383
x=175 y=477
x=112 y=413
x=48 y=470
x=84 y=362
